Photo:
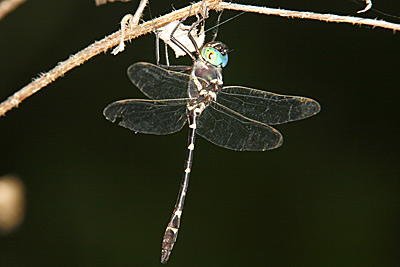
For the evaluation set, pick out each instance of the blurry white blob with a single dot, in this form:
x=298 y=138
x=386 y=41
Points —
x=367 y=7
x=102 y=2
x=12 y=203
x=181 y=34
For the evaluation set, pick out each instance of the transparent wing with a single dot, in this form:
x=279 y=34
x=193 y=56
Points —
x=266 y=107
x=178 y=68
x=228 y=129
x=157 y=82
x=148 y=116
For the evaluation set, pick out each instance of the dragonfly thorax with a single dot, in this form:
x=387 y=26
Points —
x=206 y=78
x=207 y=72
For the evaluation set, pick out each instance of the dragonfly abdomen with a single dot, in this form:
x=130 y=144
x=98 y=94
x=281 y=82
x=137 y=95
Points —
x=171 y=233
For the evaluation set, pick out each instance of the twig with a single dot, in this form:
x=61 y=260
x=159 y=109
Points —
x=112 y=40
x=129 y=21
x=7 y=6
x=311 y=15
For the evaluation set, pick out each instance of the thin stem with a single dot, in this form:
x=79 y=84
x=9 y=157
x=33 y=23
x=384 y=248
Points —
x=311 y=15
x=131 y=33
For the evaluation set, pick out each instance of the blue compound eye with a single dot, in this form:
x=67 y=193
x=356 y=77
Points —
x=214 y=57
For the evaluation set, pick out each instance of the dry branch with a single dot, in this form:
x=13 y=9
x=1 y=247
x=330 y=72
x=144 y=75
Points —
x=311 y=15
x=130 y=33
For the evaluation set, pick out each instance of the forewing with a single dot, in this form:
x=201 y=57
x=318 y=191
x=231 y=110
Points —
x=158 y=83
x=228 y=129
x=266 y=107
x=148 y=116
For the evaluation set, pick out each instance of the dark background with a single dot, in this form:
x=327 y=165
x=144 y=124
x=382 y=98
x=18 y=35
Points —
x=99 y=195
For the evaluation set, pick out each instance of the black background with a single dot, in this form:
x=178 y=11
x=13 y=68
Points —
x=99 y=195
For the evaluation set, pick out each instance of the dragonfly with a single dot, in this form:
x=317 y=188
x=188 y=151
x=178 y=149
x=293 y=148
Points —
x=233 y=117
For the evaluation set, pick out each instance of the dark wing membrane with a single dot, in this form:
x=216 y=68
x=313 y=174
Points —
x=268 y=108
x=158 y=83
x=228 y=129
x=148 y=116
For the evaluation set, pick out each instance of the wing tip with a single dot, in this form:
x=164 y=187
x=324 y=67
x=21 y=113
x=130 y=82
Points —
x=278 y=144
x=314 y=107
x=110 y=114
x=308 y=107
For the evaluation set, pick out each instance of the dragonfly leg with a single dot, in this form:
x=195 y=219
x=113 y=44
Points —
x=176 y=42
x=158 y=47
x=157 y=43
x=217 y=26
x=194 y=25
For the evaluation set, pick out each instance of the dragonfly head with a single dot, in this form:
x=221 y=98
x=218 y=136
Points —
x=215 y=53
